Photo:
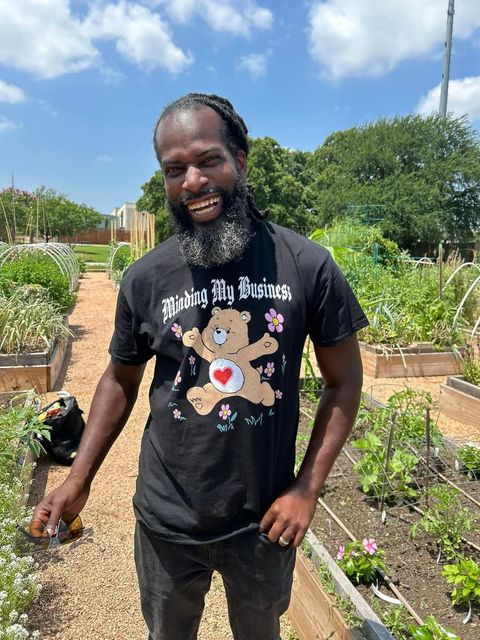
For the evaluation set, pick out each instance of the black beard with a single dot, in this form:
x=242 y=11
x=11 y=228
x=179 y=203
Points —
x=217 y=242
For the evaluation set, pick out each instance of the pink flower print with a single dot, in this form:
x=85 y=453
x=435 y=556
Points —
x=177 y=330
x=369 y=545
x=191 y=360
x=341 y=552
x=225 y=412
x=178 y=379
x=275 y=321
x=278 y=394
x=269 y=369
x=177 y=414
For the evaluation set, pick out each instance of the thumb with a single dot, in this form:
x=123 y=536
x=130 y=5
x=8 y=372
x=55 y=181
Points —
x=52 y=523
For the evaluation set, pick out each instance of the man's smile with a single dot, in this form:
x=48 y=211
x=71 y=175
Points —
x=205 y=209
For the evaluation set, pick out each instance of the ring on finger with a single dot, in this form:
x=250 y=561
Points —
x=282 y=542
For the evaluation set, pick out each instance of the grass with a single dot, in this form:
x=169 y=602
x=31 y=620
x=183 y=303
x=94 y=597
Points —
x=92 y=252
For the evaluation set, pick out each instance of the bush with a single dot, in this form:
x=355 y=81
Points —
x=37 y=269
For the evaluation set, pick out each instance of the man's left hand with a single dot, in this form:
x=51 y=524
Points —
x=289 y=517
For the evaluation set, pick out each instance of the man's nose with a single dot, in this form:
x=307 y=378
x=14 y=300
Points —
x=194 y=179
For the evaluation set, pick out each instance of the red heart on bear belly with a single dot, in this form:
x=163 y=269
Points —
x=223 y=375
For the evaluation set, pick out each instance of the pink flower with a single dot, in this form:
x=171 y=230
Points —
x=177 y=330
x=269 y=369
x=191 y=360
x=177 y=414
x=341 y=552
x=225 y=412
x=278 y=394
x=369 y=545
x=275 y=321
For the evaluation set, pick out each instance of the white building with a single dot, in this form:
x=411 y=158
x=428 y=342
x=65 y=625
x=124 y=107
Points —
x=124 y=215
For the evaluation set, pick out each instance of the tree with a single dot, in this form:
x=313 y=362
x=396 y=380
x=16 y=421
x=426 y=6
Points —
x=424 y=171
x=154 y=201
x=60 y=217
x=17 y=208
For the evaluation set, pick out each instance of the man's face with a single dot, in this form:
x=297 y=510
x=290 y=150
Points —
x=197 y=165
x=205 y=187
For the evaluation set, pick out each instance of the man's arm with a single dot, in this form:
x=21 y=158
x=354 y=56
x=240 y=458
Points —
x=291 y=513
x=111 y=406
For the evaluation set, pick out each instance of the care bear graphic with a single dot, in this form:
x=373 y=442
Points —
x=225 y=345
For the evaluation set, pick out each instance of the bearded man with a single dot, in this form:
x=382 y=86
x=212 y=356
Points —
x=225 y=306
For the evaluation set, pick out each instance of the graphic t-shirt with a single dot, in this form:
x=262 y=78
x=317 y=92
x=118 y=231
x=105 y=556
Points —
x=219 y=443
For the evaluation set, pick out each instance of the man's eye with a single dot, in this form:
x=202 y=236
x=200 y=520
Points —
x=173 y=172
x=211 y=161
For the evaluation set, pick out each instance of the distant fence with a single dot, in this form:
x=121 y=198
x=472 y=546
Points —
x=97 y=236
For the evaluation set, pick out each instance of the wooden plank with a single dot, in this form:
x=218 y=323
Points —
x=42 y=378
x=460 y=406
x=411 y=365
x=457 y=382
x=311 y=610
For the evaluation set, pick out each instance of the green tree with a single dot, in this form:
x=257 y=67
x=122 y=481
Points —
x=424 y=171
x=154 y=201
x=17 y=209
x=60 y=217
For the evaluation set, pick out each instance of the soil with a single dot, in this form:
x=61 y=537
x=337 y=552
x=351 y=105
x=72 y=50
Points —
x=90 y=588
x=412 y=563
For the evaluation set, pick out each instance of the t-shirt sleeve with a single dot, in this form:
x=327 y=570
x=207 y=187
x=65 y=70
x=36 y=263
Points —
x=128 y=345
x=334 y=312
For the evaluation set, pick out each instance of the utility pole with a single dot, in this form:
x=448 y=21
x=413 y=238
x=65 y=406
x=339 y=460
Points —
x=446 y=59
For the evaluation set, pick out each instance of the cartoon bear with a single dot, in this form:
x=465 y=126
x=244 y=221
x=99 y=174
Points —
x=224 y=344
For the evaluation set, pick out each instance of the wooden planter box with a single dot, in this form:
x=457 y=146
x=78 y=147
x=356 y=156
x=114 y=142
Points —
x=419 y=360
x=311 y=609
x=460 y=401
x=37 y=371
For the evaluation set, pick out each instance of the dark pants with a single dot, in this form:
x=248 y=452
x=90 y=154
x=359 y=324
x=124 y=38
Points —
x=174 y=579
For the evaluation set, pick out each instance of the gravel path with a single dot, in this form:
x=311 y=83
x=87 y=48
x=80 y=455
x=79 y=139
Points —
x=91 y=590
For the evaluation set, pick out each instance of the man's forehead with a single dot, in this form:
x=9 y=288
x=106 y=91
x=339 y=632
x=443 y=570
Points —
x=187 y=127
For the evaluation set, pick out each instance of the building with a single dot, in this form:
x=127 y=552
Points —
x=124 y=216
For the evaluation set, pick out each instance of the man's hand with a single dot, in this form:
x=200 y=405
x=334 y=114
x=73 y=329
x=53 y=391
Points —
x=70 y=497
x=289 y=516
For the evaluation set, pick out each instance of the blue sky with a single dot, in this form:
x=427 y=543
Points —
x=82 y=82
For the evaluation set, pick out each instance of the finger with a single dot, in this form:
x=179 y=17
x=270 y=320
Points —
x=287 y=536
x=267 y=521
x=52 y=523
x=276 y=530
x=299 y=536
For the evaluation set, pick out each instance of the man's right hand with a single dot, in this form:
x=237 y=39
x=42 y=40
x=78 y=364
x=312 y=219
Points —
x=70 y=497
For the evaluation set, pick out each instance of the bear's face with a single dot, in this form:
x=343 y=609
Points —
x=227 y=331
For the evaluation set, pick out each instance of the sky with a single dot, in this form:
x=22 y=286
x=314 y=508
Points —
x=82 y=83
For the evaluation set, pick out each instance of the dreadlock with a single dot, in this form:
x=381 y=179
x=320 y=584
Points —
x=233 y=130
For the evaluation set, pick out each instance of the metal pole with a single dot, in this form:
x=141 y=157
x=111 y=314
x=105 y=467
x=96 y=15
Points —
x=446 y=59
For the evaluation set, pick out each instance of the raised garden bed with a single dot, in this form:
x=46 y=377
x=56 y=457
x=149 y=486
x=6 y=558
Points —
x=415 y=361
x=412 y=562
x=460 y=400
x=38 y=370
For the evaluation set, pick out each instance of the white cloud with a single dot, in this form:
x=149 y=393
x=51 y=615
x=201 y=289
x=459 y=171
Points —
x=230 y=16
x=8 y=125
x=463 y=99
x=255 y=64
x=369 y=38
x=47 y=40
x=11 y=93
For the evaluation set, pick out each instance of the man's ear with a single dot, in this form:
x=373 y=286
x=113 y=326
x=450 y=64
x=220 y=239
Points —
x=242 y=162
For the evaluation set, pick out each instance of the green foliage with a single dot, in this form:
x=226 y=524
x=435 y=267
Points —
x=345 y=605
x=154 y=201
x=61 y=217
x=465 y=576
x=360 y=564
x=19 y=426
x=29 y=321
x=424 y=171
x=393 y=480
x=432 y=630
x=16 y=208
x=469 y=455
x=37 y=269
x=395 y=618
x=446 y=520
x=122 y=258
x=471 y=362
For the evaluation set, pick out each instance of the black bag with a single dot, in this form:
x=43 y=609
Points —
x=67 y=427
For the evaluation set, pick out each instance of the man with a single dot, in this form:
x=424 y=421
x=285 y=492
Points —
x=225 y=306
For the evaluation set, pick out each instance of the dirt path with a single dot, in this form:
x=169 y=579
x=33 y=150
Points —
x=91 y=590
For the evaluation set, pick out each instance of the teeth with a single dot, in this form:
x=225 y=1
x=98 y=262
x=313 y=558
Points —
x=210 y=202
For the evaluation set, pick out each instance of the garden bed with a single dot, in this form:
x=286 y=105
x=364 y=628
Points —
x=460 y=400
x=411 y=562
x=36 y=370
x=418 y=360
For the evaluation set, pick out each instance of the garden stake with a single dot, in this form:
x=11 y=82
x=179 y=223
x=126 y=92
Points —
x=427 y=443
x=383 y=515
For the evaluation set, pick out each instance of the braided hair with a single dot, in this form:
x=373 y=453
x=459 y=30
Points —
x=233 y=130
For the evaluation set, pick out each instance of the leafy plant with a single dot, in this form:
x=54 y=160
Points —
x=432 y=630
x=465 y=576
x=19 y=428
x=446 y=520
x=395 y=618
x=29 y=321
x=361 y=560
x=410 y=408
x=470 y=359
x=345 y=605
x=393 y=480
x=469 y=455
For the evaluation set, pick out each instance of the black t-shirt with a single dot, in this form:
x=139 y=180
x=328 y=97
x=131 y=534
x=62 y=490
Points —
x=219 y=444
